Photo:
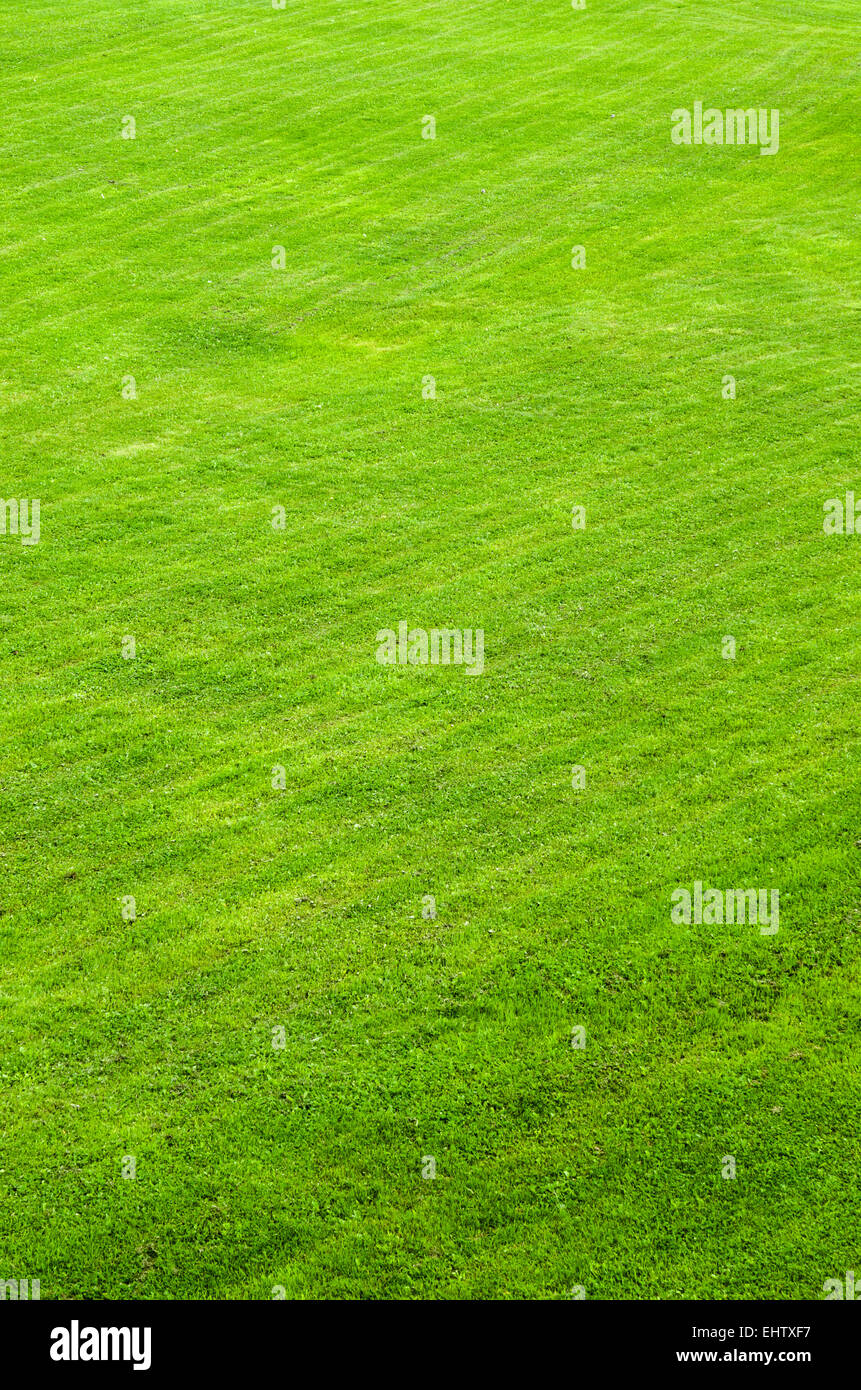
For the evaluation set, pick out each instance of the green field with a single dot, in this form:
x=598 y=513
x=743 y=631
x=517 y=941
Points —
x=151 y=1033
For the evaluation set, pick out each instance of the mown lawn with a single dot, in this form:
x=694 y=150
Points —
x=406 y=1036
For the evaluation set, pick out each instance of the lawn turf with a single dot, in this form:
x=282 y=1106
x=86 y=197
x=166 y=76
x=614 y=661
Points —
x=258 y=908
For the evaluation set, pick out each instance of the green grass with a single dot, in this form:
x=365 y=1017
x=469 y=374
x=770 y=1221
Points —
x=302 y=908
